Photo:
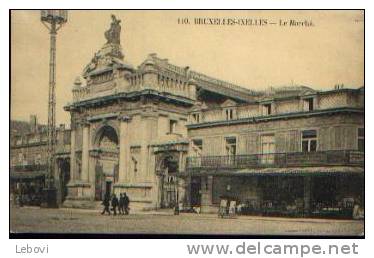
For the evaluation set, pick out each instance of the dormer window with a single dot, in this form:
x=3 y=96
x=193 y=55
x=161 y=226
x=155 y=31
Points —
x=229 y=109
x=309 y=104
x=229 y=113
x=196 y=118
x=266 y=109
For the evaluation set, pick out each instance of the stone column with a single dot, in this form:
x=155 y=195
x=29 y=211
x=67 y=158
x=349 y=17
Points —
x=124 y=149
x=92 y=172
x=85 y=153
x=72 y=155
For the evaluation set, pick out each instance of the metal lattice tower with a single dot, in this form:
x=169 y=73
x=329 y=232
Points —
x=53 y=21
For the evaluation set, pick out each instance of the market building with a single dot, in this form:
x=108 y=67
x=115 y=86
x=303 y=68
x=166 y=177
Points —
x=166 y=134
x=292 y=151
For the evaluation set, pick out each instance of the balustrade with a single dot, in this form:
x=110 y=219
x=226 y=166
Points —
x=294 y=159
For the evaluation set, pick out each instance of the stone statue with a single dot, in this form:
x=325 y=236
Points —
x=113 y=35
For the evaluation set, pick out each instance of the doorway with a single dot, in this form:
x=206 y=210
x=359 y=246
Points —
x=169 y=182
x=108 y=188
x=195 y=192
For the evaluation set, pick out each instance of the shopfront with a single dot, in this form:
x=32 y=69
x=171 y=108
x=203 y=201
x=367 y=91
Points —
x=26 y=187
x=289 y=193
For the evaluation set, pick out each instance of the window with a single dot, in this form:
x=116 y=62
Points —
x=173 y=126
x=231 y=146
x=135 y=163
x=171 y=179
x=309 y=141
x=229 y=113
x=309 y=104
x=230 y=149
x=197 y=145
x=361 y=139
x=196 y=118
x=267 y=149
x=266 y=109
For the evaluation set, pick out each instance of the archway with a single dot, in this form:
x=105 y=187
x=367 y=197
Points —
x=167 y=170
x=106 y=165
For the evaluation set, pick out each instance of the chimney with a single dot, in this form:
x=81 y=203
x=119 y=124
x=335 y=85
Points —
x=33 y=124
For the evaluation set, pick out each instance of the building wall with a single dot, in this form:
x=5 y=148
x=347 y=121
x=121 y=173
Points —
x=287 y=106
x=335 y=132
x=33 y=147
x=292 y=104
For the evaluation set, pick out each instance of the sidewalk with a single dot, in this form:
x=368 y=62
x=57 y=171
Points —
x=170 y=212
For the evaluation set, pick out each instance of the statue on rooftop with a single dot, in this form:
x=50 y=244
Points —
x=113 y=35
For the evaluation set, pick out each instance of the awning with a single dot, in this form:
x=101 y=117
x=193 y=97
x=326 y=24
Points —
x=27 y=175
x=295 y=171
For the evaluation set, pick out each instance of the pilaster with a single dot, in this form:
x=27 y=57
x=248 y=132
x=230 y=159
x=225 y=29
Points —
x=85 y=153
x=72 y=156
x=124 y=149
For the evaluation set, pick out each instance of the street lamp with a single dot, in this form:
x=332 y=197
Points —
x=53 y=20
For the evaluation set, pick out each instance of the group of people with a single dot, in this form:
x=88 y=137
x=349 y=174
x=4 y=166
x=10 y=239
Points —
x=122 y=204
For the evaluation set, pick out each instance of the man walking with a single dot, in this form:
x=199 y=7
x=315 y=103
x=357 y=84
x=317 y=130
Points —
x=114 y=204
x=121 y=206
x=106 y=204
x=126 y=203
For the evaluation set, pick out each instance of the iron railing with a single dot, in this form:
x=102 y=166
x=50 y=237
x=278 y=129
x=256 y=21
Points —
x=294 y=159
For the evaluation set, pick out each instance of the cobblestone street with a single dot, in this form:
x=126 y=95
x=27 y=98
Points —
x=29 y=219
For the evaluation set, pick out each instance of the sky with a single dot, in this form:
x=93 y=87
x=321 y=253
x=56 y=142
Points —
x=320 y=56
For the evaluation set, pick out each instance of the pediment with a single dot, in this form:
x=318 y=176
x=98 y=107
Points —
x=199 y=106
x=308 y=92
x=228 y=103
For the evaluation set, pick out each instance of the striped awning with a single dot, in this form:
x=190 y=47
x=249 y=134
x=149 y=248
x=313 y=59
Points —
x=294 y=171
x=27 y=175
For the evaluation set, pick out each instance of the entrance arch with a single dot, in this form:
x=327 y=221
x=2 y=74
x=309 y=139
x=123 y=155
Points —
x=106 y=153
x=167 y=169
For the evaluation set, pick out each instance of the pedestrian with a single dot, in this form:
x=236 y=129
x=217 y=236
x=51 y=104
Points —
x=126 y=203
x=114 y=204
x=121 y=206
x=106 y=203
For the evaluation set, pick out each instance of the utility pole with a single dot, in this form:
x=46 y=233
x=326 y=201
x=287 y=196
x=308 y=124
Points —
x=53 y=20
